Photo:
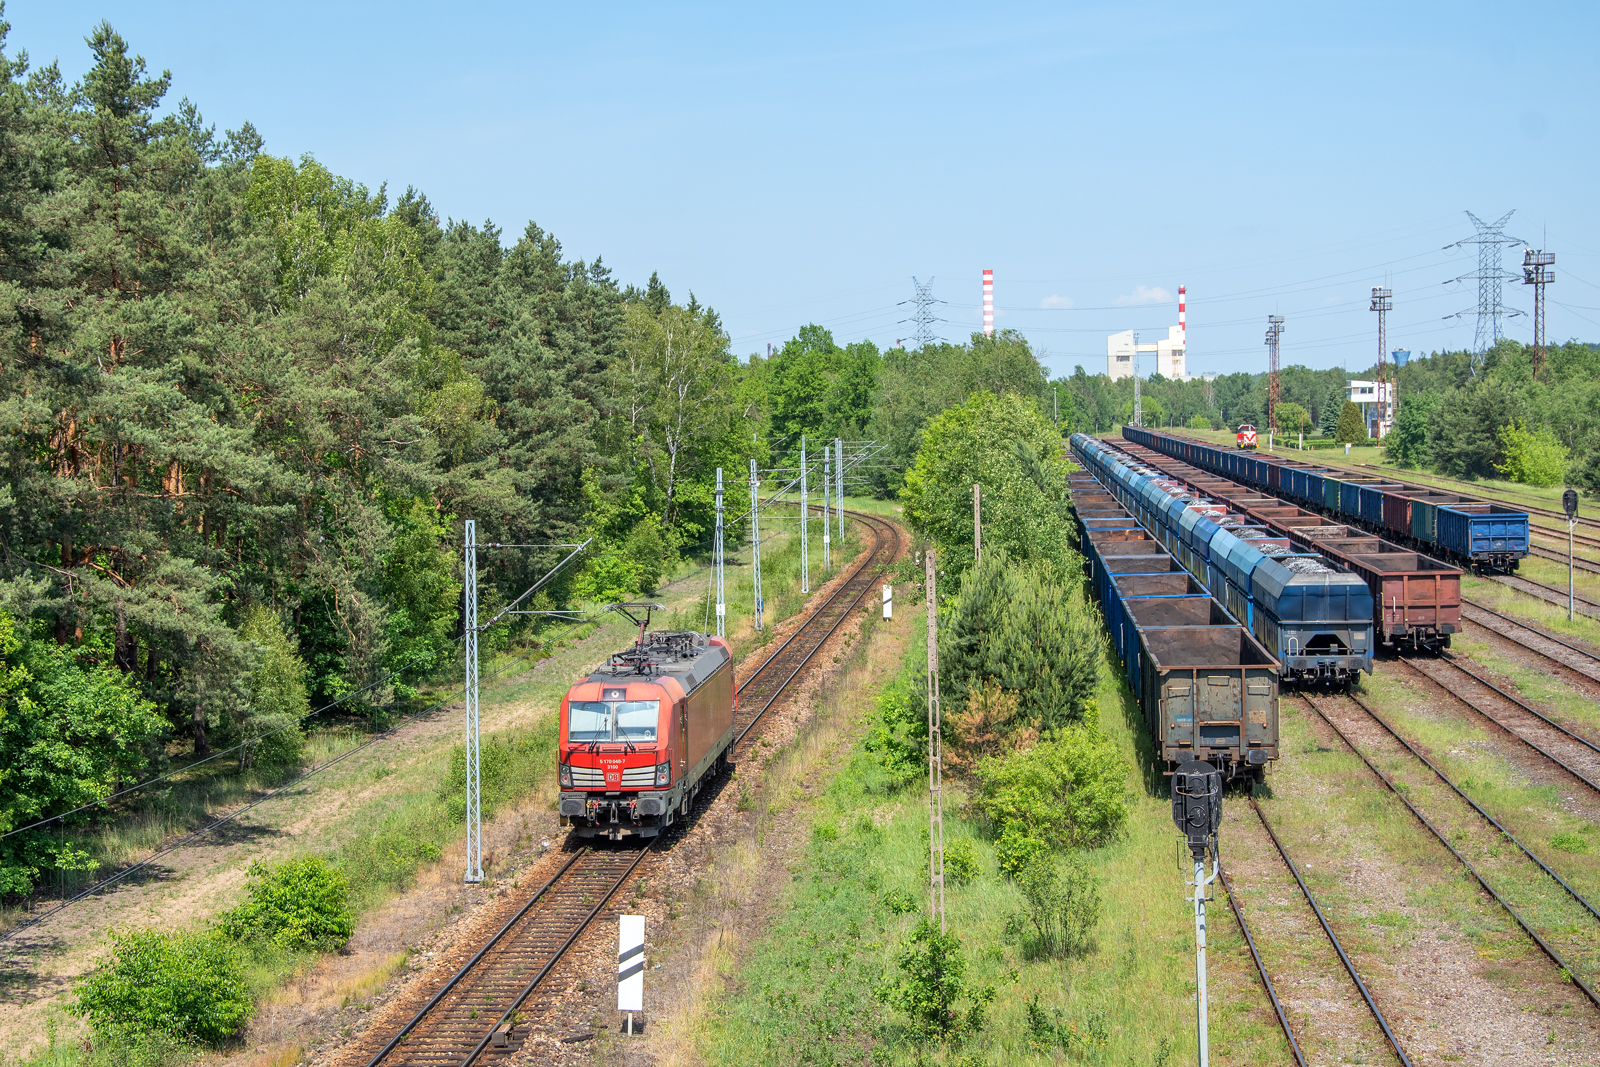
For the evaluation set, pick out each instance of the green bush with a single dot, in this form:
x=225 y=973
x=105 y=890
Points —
x=1016 y=848
x=1199 y=422
x=1533 y=457
x=1007 y=446
x=899 y=737
x=1046 y=1028
x=961 y=865
x=189 y=987
x=933 y=984
x=1069 y=791
x=299 y=904
x=1063 y=905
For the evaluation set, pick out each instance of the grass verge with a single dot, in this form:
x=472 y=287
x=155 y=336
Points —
x=806 y=990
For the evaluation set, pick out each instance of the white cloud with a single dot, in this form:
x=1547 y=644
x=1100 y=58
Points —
x=1145 y=294
x=1054 y=301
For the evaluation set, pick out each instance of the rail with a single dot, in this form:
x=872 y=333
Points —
x=1261 y=968
x=1555 y=957
x=1495 y=720
x=451 y=1026
x=837 y=608
x=1338 y=946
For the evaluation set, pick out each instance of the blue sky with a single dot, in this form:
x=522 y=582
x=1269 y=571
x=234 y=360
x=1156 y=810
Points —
x=800 y=164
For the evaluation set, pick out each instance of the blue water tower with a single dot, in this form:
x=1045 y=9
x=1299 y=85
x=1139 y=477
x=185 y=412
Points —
x=1400 y=355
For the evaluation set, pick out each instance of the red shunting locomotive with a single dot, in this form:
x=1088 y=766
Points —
x=641 y=735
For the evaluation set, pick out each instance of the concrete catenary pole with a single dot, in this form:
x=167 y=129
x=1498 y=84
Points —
x=805 y=547
x=722 y=600
x=470 y=633
x=838 y=484
x=827 y=538
x=977 y=524
x=755 y=541
x=935 y=750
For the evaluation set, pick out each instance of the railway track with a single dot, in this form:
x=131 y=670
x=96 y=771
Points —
x=478 y=1014
x=762 y=687
x=1404 y=794
x=1547 y=593
x=1333 y=939
x=1564 y=655
x=1578 y=562
x=1573 y=753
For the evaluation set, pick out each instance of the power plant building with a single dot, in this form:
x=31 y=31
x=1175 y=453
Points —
x=1170 y=353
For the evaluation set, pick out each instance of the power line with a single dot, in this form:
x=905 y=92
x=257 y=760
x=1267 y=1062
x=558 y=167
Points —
x=1489 y=236
x=923 y=318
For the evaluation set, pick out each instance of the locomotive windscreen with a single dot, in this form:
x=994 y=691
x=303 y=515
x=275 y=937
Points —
x=612 y=720
x=636 y=719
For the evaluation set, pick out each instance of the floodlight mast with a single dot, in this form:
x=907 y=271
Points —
x=1197 y=812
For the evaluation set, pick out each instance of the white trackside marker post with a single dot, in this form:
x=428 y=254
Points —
x=888 y=602
x=630 y=967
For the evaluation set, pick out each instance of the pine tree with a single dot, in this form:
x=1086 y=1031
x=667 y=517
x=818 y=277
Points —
x=1328 y=422
x=1351 y=427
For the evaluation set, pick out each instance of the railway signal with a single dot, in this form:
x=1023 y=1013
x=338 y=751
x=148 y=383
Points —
x=1197 y=812
x=1569 y=504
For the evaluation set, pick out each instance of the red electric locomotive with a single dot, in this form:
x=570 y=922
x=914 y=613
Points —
x=641 y=735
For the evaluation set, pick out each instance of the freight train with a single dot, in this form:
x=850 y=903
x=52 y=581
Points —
x=1480 y=534
x=1206 y=687
x=1314 y=617
x=642 y=735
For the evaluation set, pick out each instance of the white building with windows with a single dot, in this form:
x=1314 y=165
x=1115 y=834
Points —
x=1376 y=400
x=1122 y=349
x=1169 y=353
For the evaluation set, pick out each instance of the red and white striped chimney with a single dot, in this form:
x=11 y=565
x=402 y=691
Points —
x=1183 y=329
x=988 y=303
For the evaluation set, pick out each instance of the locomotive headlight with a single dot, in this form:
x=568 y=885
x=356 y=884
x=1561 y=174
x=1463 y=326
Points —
x=664 y=773
x=566 y=776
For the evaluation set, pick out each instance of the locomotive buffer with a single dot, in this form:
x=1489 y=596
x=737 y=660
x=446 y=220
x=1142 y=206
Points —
x=1197 y=812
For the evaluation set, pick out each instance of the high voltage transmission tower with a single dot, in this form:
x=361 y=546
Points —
x=922 y=317
x=1489 y=276
x=1274 y=383
x=1535 y=273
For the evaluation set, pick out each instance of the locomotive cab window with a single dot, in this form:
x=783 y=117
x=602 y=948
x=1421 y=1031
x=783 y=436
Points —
x=612 y=720
x=588 y=720
x=636 y=719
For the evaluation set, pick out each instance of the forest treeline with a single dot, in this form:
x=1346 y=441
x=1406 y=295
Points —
x=247 y=404
x=1467 y=416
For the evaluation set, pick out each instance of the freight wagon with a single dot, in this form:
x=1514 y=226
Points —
x=1315 y=619
x=1481 y=534
x=640 y=737
x=1415 y=599
x=1206 y=688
